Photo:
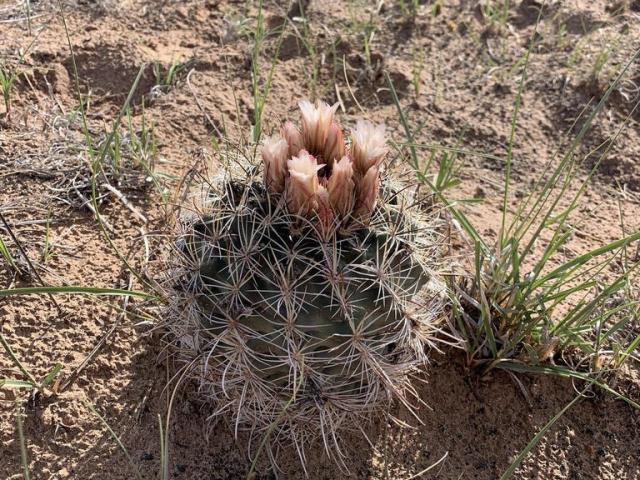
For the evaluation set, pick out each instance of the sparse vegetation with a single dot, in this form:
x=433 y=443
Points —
x=301 y=305
x=7 y=77
x=307 y=38
x=6 y=254
x=363 y=26
x=496 y=12
x=167 y=77
x=260 y=86
x=409 y=7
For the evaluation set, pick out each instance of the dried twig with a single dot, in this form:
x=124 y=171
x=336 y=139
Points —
x=120 y=196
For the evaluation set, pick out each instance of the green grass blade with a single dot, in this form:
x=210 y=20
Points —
x=485 y=309
x=543 y=431
x=51 y=375
x=403 y=120
x=566 y=373
x=164 y=463
x=567 y=167
x=96 y=163
x=6 y=254
x=585 y=258
x=75 y=290
x=15 y=384
x=460 y=217
x=24 y=457
x=17 y=361
x=514 y=126
x=90 y=406
x=628 y=351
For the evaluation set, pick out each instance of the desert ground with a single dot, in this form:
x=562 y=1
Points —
x=456 y=66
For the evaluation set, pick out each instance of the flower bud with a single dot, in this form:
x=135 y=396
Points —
x=367 y=194
x=334 y=147
x=324 y=212
x=316 y=122
x=274 y=155
x=293 y=137
x=303 y=183
x=341 y=187
x=368 y=145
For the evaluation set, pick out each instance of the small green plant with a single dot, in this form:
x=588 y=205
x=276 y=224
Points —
x=563 y=40
x=6 y=254
x=365 y=28
x=602 y=59
x=417 y=68
x=47 y=249
x=496 y=12
x=29 y=381
x=261 y=87
x=8 y=75
x=410 y=8
x=135 y=146
x=166 y=78
x=114 y=152
x=369 y=30
x=577 y=53
x=436 y=8
x=141 y=142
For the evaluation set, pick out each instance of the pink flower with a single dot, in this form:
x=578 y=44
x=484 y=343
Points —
x=334 y=146
x=293 y=137
x=341 y=186
x=367 y=194
x=275 y=152
x=316 y=122
x=325 y=215
x=303 y=183
x=368 y=145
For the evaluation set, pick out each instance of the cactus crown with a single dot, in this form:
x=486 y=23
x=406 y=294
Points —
x=316 y=172
x=297 y=298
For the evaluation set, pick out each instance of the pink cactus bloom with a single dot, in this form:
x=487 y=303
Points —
x=334 y=146
x=275 y=151
x=348 y=188
x=324 y=212
x=303 y=183
x=368 y=145
x=341 y=187
x=293 y=137
x=367 y=194
x=316 y=123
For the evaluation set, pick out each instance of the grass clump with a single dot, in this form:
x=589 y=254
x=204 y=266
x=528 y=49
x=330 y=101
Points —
x=523 y=299
x=526 y=300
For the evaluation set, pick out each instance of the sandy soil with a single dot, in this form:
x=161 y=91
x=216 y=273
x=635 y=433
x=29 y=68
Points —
x=467 y=68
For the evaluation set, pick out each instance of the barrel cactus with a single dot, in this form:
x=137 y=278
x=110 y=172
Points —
x=303 y=292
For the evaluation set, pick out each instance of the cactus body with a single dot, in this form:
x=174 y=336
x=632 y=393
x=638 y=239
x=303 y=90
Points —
x=295 y=322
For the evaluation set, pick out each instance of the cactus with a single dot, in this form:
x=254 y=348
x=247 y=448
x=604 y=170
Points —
x=305 y=301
